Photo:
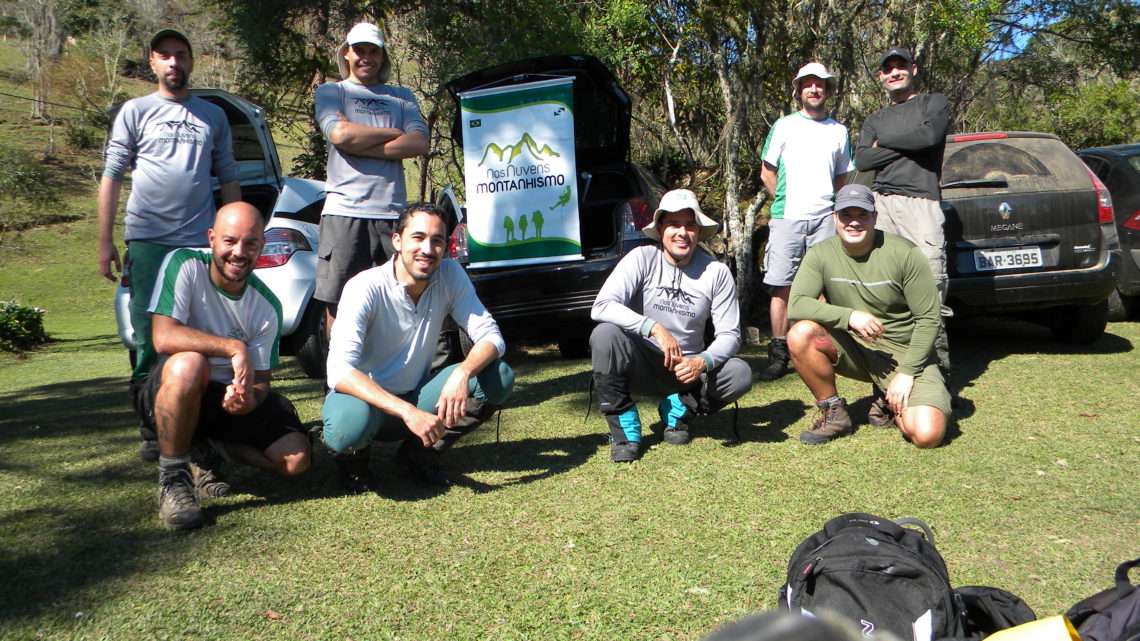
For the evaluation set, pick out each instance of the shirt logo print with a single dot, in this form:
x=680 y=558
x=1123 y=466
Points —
x=675 y=294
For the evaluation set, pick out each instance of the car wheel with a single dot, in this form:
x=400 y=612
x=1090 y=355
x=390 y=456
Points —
x=1082 y=324
x=1120 y=307
x=573 y=346
x=310 y=342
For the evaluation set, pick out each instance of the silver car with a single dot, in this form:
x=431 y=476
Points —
x=288 y=264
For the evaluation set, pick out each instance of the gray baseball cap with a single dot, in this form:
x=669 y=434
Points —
x=854 y=196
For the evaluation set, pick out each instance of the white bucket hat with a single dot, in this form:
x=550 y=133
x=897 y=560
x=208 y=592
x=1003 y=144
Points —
x=678 y=200
x=819 y=71
x=364 y=32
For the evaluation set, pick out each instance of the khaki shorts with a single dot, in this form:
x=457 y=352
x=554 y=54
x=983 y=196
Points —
x=348 y=247
x=877 y=365
x=788 y=241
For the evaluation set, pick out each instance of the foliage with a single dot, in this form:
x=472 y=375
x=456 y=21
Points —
x=27 y=191
x=21 y=327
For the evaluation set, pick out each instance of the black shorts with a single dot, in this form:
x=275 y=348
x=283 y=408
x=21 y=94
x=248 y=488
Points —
x=268 y=422
x=349 y=246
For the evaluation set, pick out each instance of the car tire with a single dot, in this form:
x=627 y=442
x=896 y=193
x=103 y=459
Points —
x=1081 y=324
x=310 y=342
x=574 y=346
x=1120 y=307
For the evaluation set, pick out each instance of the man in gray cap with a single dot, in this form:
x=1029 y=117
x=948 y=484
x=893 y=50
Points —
x=170 y=142
x=878 y=325
x=652 y=313
x=903 y=143
x=371 y=127
x=807 y=157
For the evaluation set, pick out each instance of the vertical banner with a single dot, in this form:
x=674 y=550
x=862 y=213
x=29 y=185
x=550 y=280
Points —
x=519 y=171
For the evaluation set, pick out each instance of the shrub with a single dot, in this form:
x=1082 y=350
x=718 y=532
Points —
x=29 y=198
x=81 y=137
x=21 y=327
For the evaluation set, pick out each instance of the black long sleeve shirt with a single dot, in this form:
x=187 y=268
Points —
x=910 y=137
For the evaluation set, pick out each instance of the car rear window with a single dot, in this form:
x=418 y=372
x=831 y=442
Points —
x=1011 y=165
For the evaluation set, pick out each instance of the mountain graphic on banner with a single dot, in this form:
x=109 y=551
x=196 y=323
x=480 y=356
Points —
x=526 y=143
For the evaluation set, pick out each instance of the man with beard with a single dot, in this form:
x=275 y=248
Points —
x=217 y=329
x=903 y=144
x=652 y=314
x=371 y=127
x=170 y=142
x=380 y=358
x=807 y=158
x=877 y=323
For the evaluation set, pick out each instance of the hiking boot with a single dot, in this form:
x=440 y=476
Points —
x=148 y=450
x=176 y=503
x=206 y=465
x=625 y=451
x=673 y=415
x=778 y=357
x=833 y=422
x=880 y=414
x=422 y=463
x=355 y=471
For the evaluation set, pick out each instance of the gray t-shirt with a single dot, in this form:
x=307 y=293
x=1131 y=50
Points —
x=645 y=288
x=170 y=147
x=358 y=186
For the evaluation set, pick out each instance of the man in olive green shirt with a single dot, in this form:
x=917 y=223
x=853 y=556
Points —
x=878 y=324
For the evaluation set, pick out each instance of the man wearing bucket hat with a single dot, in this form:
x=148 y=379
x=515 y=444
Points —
x=878 y=324
x=371 y=127
x=170 y=142
x=652 y=312
x=807 y=157
x=903 y=143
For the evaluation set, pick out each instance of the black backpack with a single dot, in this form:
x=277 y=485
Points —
x=987 y=610
x=877 y=573
x=1110 y=615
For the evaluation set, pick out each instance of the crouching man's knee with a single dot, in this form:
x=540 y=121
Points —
x=804 y=335
x=291 y=454
x=349 y=424
x=925 y=426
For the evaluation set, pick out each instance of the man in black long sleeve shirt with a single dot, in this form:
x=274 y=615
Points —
x=904 y=142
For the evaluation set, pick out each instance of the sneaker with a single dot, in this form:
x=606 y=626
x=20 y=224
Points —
x=176 y=503
x=422 y=464
x=148 y=450
x=206 y=465
x=625 y=451
x=880 y=414
x=833 y=422
x=778 y=357
x=673 y=415
x=355 y=471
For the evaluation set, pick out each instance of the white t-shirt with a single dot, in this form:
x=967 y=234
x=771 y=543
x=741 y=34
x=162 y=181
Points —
x=185 y=293
x=808 y=155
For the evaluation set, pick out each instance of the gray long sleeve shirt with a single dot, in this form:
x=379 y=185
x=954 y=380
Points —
x=645 y=289
x=392 y=340
x=170 y=147
x=909 y=139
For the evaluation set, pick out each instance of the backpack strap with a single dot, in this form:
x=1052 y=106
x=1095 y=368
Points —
x=1121 y=576
x=926 y=529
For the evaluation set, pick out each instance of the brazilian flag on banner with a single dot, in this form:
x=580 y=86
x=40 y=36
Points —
x=519 y=172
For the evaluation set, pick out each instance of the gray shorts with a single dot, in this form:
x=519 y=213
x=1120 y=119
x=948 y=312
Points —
x=348 y=247
x=877 y=365
x=788 y=241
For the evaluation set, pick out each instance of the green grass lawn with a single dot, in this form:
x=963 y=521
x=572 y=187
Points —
x=544 y=537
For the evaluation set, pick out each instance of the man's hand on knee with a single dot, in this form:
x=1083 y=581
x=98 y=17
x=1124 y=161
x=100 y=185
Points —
x=428 y=427
x=898 y=392
x=689 y=368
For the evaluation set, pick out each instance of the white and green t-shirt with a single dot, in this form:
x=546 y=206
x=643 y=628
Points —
x=808 y=155
x=185 y=293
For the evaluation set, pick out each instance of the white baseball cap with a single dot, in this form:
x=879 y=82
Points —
x=819 y=71
x=363 y=32
x=678 y=200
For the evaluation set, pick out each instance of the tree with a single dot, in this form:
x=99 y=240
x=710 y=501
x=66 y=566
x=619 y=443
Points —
x=37 y=23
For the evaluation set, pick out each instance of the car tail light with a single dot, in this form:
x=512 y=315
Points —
x=970 y=137
x=280 y=245
x=635 y=216
x=457 y=244
x=1133 y=221
x=1103 y=199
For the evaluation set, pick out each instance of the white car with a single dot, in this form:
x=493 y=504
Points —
x=288 y=264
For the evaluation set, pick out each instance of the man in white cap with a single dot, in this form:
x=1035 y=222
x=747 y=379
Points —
x=371 y=127
x=171 y=143
x=652 y=313
x=878 y=324
x=807 y=158
x=903 y=143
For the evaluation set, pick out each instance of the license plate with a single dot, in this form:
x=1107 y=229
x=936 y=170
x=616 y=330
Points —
x=1012 y=258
